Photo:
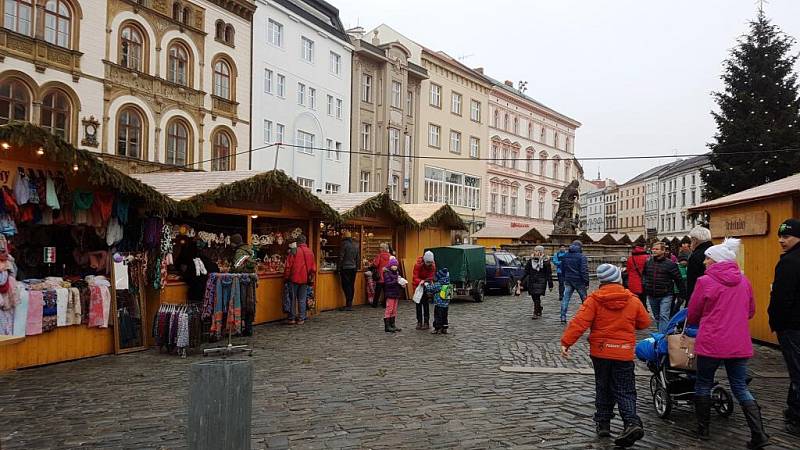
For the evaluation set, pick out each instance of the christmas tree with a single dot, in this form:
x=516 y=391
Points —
x=758 y=132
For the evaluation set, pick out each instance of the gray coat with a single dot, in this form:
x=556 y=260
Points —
x=348 y=254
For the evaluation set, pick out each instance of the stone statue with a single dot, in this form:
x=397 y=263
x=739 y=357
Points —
x=564 y=221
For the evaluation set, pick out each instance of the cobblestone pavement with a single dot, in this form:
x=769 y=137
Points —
x=339 y=381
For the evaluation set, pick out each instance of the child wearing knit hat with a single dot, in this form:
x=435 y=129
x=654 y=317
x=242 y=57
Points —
x=392 y=285
x=612 y=314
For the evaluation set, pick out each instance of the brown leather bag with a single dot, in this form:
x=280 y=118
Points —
x=681 y=351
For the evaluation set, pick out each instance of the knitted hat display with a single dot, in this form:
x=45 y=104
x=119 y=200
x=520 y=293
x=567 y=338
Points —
x=608 y=273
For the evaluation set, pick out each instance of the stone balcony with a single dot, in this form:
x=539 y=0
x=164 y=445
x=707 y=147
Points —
x=148 y=84
x=42 y=54
x=224 y=107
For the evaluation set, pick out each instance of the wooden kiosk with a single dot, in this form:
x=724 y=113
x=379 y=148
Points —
x=753 y=216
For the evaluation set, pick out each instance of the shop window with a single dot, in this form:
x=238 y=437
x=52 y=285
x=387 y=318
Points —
x=56 y=112
x=129 y=133
x=14 y=101
x=177 y=143
x=57 y=23
x=222 y=152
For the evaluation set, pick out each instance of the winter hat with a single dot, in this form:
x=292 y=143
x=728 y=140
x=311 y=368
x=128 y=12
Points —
x=725 y=251
x=608 y=273
x=577 y=242
x=790 y=227
x=427 y=258
x=538 y=248
x=236 y=239
x=393 y=262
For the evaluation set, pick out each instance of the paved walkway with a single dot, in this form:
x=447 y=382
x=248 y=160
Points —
x=339 y=381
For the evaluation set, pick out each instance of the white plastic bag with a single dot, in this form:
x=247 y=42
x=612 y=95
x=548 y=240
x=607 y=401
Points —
x=402 y=281
x=418 y=293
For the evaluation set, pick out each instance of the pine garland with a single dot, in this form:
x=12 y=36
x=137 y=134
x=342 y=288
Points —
x=381 y=202
x=447 y=215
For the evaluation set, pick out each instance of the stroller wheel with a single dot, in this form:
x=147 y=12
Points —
x=722 y=400
x=662 y=402
x=653 y=384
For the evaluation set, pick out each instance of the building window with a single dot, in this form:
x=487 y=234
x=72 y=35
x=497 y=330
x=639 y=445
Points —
x=305 y=142
x=339 y=108
x=436 y=95
x=434 y=136
x=312 y=98
x=279 y=132
x=307 y=49
x=474 y=147
x=281 y=88
x=14 y=101
x=222 y=152
x=331 y=188
x=694 y=198
x=410 y=104
x=504 y=199
x=222 y=79
x=275 y=33
x=56 y=112
x=397 y=89
x=366 y=136
x=541 y=203
x=529 y=201
x=57 y=23
x=529 y=162
x=495 y=192
x=177 y=64
x=530 y=130
x=330 y=105
x=336 y=63
x=475 y=110
x=366 y=88
x=512 y=163
x=229 y=32
x=131 y=48
x=455 y=106
x=568 y=144
x=514 y=198
x=495 y=157
x=177 y=143
x=541 y=135
x=455 y=142
x=395 y=187
x=394 y=141
x=268 y=81
x=555 y=203
x=306 y=183
x=301 y=94
x=496 y=120
x=267 y=131
x=556 y=166
x=364 y=181
x=516 y=125
x=455 y=188
x=18 y=16
x=506 y=156
x=219 y=30
x=329 y=148
x=567 y=170
x=129 y=133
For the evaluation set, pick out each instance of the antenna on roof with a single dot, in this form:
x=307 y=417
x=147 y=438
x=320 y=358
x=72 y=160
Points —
x=463 y=57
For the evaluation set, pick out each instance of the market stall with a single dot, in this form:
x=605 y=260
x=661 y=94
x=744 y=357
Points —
x=495 y=236
x=267 y=210
x=753 y=216
x=435 y=225
x=69 y=250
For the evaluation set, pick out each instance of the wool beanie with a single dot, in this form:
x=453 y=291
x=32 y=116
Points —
x=538 y=248
x=427 y=258
x=577 y=242
x=608 y=273
x=790 y=227
x=725 y=251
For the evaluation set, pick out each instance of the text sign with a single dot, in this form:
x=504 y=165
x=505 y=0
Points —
x=749 y=224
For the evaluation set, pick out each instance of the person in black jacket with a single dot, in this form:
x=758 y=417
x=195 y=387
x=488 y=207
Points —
x=784 y=315
x=348 y=265
x=538 y=277
x=701 y=241
x=660 y=276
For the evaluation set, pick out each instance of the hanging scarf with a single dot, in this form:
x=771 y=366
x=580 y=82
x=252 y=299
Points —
x=537 y=262
x=51 y=199
x=121 y=208
x=82 y=200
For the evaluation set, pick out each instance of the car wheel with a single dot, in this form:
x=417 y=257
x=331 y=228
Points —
x=510 y=286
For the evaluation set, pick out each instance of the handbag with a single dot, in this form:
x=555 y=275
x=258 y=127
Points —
x=680 y=348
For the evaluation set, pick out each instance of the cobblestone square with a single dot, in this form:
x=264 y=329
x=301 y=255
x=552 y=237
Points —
x=339 y=381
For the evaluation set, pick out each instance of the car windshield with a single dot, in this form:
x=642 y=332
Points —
x=489 y=260
x=505 y=259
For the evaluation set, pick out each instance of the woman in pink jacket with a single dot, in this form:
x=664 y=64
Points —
x=722 y=304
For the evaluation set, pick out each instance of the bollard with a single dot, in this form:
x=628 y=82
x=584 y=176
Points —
x=220 y=405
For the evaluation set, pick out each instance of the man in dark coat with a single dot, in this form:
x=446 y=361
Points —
x=660 y=277
x=701 y=241
x=538 y=277
x=575 y=268
x=348 y=264
x=784 y=315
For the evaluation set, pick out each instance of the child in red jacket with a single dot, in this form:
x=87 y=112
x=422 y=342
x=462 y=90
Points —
x=613 y=314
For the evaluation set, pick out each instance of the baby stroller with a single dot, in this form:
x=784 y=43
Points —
x=674 y=387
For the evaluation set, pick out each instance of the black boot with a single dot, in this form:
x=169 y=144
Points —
x=394 y=327
x=758 y=436
x=604 y=429
x=632 y=433
x=702 y=410
x=387 y=326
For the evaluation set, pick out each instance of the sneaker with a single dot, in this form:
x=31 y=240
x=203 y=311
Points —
x=300 y=322
x=604 y=429
x=632 y=433
x=291 y=322
x=444 y=330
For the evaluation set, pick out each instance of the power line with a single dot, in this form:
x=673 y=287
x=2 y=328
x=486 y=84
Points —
x=190 y=165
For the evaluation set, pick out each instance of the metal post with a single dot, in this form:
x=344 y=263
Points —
x=220 y=405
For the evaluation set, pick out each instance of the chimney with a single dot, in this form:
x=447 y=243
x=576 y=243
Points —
x=509 y=83
x=479 y=70
x=356 y=33
x=375 y=40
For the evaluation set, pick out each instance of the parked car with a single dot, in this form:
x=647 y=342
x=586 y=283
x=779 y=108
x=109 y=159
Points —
x=503 y=270
x=465 y=263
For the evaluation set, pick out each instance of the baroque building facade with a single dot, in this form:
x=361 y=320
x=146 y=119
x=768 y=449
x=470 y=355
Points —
x=144 y=82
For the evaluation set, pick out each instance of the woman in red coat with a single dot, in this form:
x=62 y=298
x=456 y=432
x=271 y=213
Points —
x=635 y=266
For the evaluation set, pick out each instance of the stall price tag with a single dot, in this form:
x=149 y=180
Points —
x=49 y=255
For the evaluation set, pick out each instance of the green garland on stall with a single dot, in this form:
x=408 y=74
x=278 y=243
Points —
x=447 y=215
x=381 y=202
x=29 y=137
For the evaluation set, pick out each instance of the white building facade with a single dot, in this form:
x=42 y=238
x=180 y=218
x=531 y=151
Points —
x=302 y=93
x=680 y=188
x=595 y=210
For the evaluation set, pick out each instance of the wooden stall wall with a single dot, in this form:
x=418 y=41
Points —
x=416 y=241
x=330 y=295
x=493 y=242
x=760 y=254
x=61 y=344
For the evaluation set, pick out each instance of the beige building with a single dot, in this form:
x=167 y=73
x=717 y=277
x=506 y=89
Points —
x=453 y=126
x=630 y=209
x=385 y=109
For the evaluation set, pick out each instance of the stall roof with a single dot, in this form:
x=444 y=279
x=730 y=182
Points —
x=785 y=186
x=434 y=214
x=621 y=238
x=524 y=234
x=194 y=189
x=24 y=135
x=354 y=205
x=601 y=238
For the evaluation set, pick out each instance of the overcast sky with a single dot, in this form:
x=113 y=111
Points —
x=637 y=74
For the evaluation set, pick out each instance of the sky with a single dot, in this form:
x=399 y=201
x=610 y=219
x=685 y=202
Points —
x=637 y=74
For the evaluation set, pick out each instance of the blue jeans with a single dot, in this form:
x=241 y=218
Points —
x=737 y=376
x=661 y=307
x=560 y=284
x=299 y=293
x=569 y=288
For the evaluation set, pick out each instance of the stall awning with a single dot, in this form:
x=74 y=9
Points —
x=601 y=238
x=621 y=238
x=193 y=190
x=507 y=232
x=785 y=186
x=355 y=205
x=434 y=215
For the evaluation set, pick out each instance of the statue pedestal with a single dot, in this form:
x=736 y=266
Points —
x=563 y=239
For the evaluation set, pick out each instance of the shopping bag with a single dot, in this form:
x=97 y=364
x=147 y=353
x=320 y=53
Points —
x=681 y=351
x=418 y=293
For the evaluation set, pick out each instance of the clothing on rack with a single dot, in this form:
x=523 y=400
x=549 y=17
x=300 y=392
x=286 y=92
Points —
x=230 y=302
x=177 y=327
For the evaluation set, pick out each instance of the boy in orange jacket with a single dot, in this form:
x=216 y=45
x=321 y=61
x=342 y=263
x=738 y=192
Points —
x=613 y=314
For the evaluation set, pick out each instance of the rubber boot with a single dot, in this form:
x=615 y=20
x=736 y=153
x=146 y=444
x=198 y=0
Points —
x=387 y=326
x=702 y=410
x=758 y=436
x=633 y=432
x=393 y=322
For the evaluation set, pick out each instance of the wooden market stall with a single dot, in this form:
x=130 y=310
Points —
x=435 y=224
x=268 y=210
x=64 y=213
x=496 y=236
x=754 y=215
